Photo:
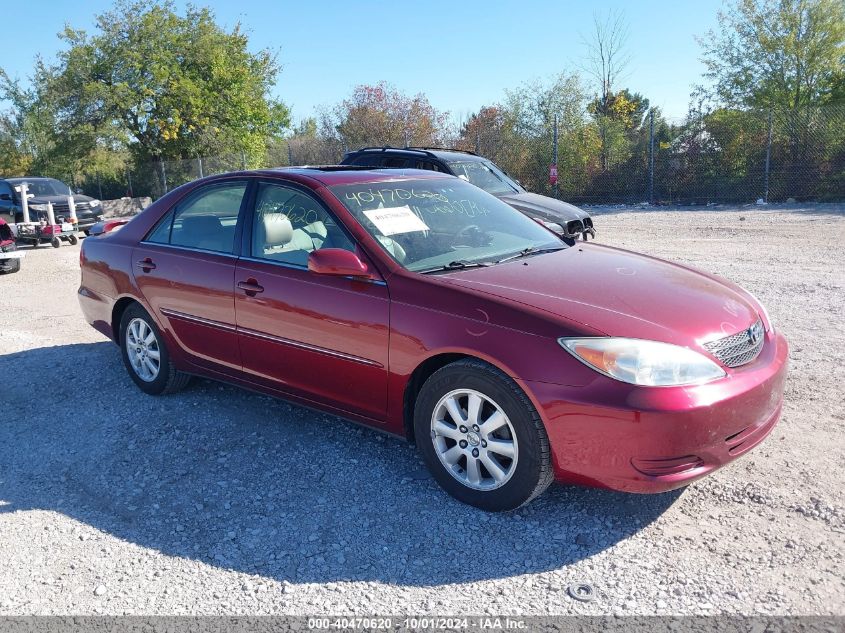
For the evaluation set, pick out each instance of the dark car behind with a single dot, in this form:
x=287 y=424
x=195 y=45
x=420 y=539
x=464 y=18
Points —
x=562 y=217
x=42 y=191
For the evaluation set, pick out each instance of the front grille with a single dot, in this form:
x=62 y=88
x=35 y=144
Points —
x=740 y=348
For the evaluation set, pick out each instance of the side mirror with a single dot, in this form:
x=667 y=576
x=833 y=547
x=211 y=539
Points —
x=338 y=262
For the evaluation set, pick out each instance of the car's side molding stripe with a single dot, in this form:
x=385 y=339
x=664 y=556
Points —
x=313 y=348
x=189 y=317
x=268 y=337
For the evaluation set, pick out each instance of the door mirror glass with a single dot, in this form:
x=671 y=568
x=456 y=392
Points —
x=339 y=262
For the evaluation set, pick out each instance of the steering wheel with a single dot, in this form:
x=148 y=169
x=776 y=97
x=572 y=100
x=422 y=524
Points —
x=464 y=233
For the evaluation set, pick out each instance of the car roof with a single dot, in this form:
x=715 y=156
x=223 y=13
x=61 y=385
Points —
x=442 y=153
x=331 y=175
x=30 y=178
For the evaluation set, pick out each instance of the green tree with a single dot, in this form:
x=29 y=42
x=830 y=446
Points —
x=305 y=146
x=777 y=53
x=530 y=111
x=618 y=117
x=175 y=86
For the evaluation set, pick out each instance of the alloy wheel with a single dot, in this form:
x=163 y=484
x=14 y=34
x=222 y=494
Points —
x=474 y=439
x=143 y=350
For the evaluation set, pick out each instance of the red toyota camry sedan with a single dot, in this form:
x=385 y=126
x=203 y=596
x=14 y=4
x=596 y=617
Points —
x=416 y=303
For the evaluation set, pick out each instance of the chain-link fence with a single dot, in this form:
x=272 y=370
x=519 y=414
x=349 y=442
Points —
x=721 y=156
x=718 y=156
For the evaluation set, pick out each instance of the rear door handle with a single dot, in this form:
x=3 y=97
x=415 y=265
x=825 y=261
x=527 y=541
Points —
x=251 y=287
x=146 y=265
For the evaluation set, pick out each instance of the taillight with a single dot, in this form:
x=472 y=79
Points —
x=111 y=225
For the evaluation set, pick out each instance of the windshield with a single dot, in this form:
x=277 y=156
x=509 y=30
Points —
x=425 y=224
x=484 y=174
x=42 y=186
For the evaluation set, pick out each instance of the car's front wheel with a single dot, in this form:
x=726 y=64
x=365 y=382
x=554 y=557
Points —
x=481 y=437
x=145 y=354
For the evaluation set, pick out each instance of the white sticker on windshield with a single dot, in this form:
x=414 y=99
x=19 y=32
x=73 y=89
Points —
x=395 y=220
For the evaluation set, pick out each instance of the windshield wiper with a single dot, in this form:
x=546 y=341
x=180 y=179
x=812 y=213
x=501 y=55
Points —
x=531 y=250
x=458 y=264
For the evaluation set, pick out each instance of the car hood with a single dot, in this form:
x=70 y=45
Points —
x=534 y=204
x=56 y=200
x=619 y=293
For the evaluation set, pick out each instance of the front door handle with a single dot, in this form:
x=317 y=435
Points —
x=251 y=287
x=146 y=265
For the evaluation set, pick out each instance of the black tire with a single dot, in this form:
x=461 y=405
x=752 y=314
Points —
x=55 y=242
x=532 y=473
x=12 y=266
x=169 y=379
x=73 y=240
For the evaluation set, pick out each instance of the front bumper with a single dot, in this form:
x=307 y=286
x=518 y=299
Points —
x=652 y=439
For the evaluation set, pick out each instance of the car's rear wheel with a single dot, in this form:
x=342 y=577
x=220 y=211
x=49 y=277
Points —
x=145 y=354
x=481 y=437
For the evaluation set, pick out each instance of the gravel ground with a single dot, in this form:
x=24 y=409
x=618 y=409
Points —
x=219 y=501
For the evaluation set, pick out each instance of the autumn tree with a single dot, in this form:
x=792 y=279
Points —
x=485 y=132
x=381 y=115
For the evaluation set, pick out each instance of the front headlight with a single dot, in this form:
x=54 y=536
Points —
x=37 y=207
x=94 y=203
x=641 y=362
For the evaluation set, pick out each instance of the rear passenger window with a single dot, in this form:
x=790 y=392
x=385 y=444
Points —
x=368 y=160
x=161 y=233
x=424 y=164
x=205 y=221
x=397 y=162
x=289 y=225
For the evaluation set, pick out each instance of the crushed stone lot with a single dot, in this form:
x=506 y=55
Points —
x=220 y=501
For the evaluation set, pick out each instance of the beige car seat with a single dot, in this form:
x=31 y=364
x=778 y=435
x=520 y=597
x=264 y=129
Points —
x=393 y=247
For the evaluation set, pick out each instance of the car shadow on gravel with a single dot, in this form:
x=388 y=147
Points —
x=244 y=482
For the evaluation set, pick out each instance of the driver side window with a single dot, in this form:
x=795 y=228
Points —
x=288 y=225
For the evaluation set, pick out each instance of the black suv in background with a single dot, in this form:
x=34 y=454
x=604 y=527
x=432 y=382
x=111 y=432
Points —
x=561 y=217
x=42 y=191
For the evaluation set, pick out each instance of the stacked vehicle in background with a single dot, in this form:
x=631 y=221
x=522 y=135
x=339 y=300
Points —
x=10 y=256
x=563 y=218
x=41 y=192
